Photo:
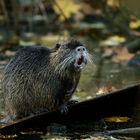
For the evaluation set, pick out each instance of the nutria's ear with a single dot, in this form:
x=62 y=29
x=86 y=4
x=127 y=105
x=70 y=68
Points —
x=57 y=46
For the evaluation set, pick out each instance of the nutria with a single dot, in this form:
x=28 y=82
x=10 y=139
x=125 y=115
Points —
x=38 y=78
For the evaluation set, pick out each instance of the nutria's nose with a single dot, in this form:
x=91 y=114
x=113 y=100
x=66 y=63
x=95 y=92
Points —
x=81 y=49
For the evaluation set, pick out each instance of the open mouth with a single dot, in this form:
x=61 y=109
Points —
x=80 y=60
x=80 y=63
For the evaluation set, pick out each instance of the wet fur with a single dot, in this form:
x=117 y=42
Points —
x=39 y=78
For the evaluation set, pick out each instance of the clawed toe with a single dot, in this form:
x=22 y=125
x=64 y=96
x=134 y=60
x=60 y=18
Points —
x=63 y=109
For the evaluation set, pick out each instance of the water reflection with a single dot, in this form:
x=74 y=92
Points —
x=108 y=74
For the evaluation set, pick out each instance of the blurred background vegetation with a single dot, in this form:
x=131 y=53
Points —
x=110 y=29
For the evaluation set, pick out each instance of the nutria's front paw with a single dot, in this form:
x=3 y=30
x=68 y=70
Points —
x=63 y=109
x=69 y=92
x=67 y=96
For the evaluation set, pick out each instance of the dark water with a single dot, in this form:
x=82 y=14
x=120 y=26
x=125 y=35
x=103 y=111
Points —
x=109 y=74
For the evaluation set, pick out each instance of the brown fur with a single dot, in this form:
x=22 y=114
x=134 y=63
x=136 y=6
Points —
x=38 y=78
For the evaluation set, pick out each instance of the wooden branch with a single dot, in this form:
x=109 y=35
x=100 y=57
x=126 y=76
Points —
x=60 y=9
x=90 y=110
x=4 y=10
x=132 y=131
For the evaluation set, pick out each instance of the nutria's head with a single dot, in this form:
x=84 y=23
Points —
x=70 y=55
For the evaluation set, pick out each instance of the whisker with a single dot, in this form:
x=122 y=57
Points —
x=95 y=58
x=90 y=59
x=65 y=60
x=63 y=64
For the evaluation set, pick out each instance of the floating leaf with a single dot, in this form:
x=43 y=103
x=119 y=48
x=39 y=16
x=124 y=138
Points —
x=97 y=25
x=113 y=3
x=8 y=137
x=117 y=119
x=104 y=90
x=134 y=24
x=26 y=43
x=113 y=41
x=122 y=55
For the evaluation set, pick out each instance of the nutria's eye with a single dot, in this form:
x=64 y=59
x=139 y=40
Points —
x=78 y=49
x=84 y=49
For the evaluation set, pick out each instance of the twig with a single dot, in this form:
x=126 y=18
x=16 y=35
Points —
x=62 y=12
x=4 y=10
x=134 y=131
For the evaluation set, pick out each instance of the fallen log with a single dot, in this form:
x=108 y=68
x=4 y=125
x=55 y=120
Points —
x=127 y=131
x=119 y=103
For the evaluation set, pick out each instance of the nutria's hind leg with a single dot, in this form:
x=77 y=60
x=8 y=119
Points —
x=7 y=119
